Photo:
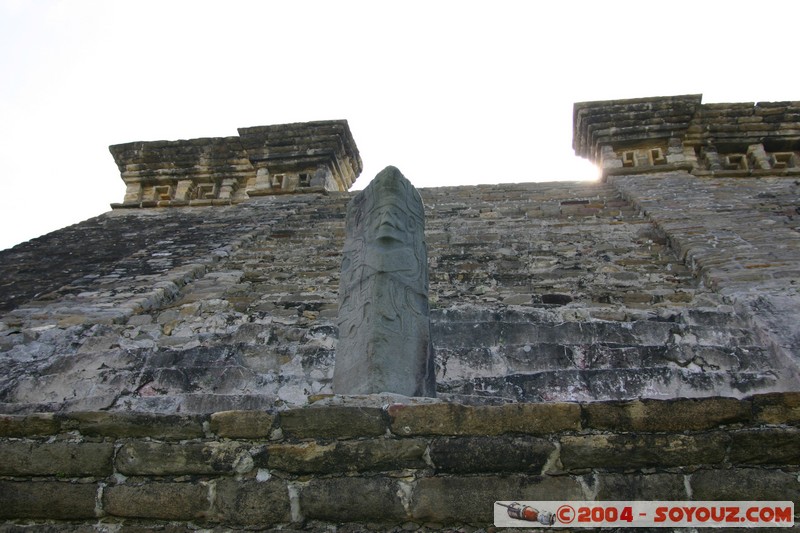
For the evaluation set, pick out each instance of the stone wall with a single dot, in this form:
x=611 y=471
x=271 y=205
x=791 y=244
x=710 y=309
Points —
x=539 y=291
x=433 y=465
x=632 y=338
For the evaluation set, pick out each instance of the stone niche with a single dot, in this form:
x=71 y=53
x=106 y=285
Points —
x=263 y=160
x=663 y=134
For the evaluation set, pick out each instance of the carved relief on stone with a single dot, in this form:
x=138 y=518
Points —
x=384 y=324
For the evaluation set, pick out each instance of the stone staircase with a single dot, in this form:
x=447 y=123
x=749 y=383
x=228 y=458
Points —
x=539 y=292
x=535 y=356
x=556 y=292
x=559 y=292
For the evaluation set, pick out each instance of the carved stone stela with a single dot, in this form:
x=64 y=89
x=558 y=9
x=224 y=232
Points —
x=384 y=324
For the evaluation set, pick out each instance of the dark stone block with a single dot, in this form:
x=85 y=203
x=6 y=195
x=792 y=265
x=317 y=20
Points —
x=460 y=499
x=128 y=424
x=641 y=487
x=47 y=499
x=62 y=459
x=666 y=415
x=242 y=424
x=252 y=503
x=628 y=451
x=456 y=419
x=29 y=425
x=145 y=458
x=777 y=408
x=348 y=456
x=776 y=446
x=333 y=422
x=490 y=454
x=749 y=484
x=373 y=499
x=164 y=501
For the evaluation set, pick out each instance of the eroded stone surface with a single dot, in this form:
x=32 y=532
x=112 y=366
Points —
x=653 y=284
x=253 y=326
x=384 y=324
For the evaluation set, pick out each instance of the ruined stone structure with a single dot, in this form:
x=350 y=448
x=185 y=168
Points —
x=170 y=364
x=264 y=160
x=384 y=324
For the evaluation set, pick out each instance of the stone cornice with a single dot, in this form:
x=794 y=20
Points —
x=262 y=160
x=661 y=134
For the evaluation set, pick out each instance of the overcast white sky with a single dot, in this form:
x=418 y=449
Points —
x=451 y=92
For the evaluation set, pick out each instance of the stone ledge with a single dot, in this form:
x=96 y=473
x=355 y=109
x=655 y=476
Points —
x=365 y=418
x=667 y=415
x=132 y=424
x=457 y=419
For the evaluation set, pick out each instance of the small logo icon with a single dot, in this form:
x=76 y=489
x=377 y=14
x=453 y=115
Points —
x=525 y=512
x=565 y=514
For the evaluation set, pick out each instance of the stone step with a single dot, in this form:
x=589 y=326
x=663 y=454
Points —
x=638 y=333
x=610 y=384
x=510 y=359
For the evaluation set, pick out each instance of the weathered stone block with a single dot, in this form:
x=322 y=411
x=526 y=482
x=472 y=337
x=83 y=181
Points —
x=146 y=458
x=456 y=419
x=348 y=456
x=47 y=499
x=629 y=451
x=373 y=499
x=750 y=484
x=334 y=422
x=641 y=487
x=777 y=408
x=384 y=321
x=766 y=446
x=164 y=501
x=252 y=503
x=127 y=424
x=471 y=499
x=666 y=415
x=242 y=424
x=62 y=459
x=29 y=425
x=491 y=454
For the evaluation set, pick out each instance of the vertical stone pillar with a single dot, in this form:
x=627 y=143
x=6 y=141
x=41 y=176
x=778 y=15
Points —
x=263 y=182
x=184 y=190
x=133 y=192
x=384 y=323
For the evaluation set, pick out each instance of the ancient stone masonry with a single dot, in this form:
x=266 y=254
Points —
x=384 y=323
x=679 y=133
x=740 y=237
x=294 y=157
x=402 y=467
x=637 y=337
x=263 y=160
